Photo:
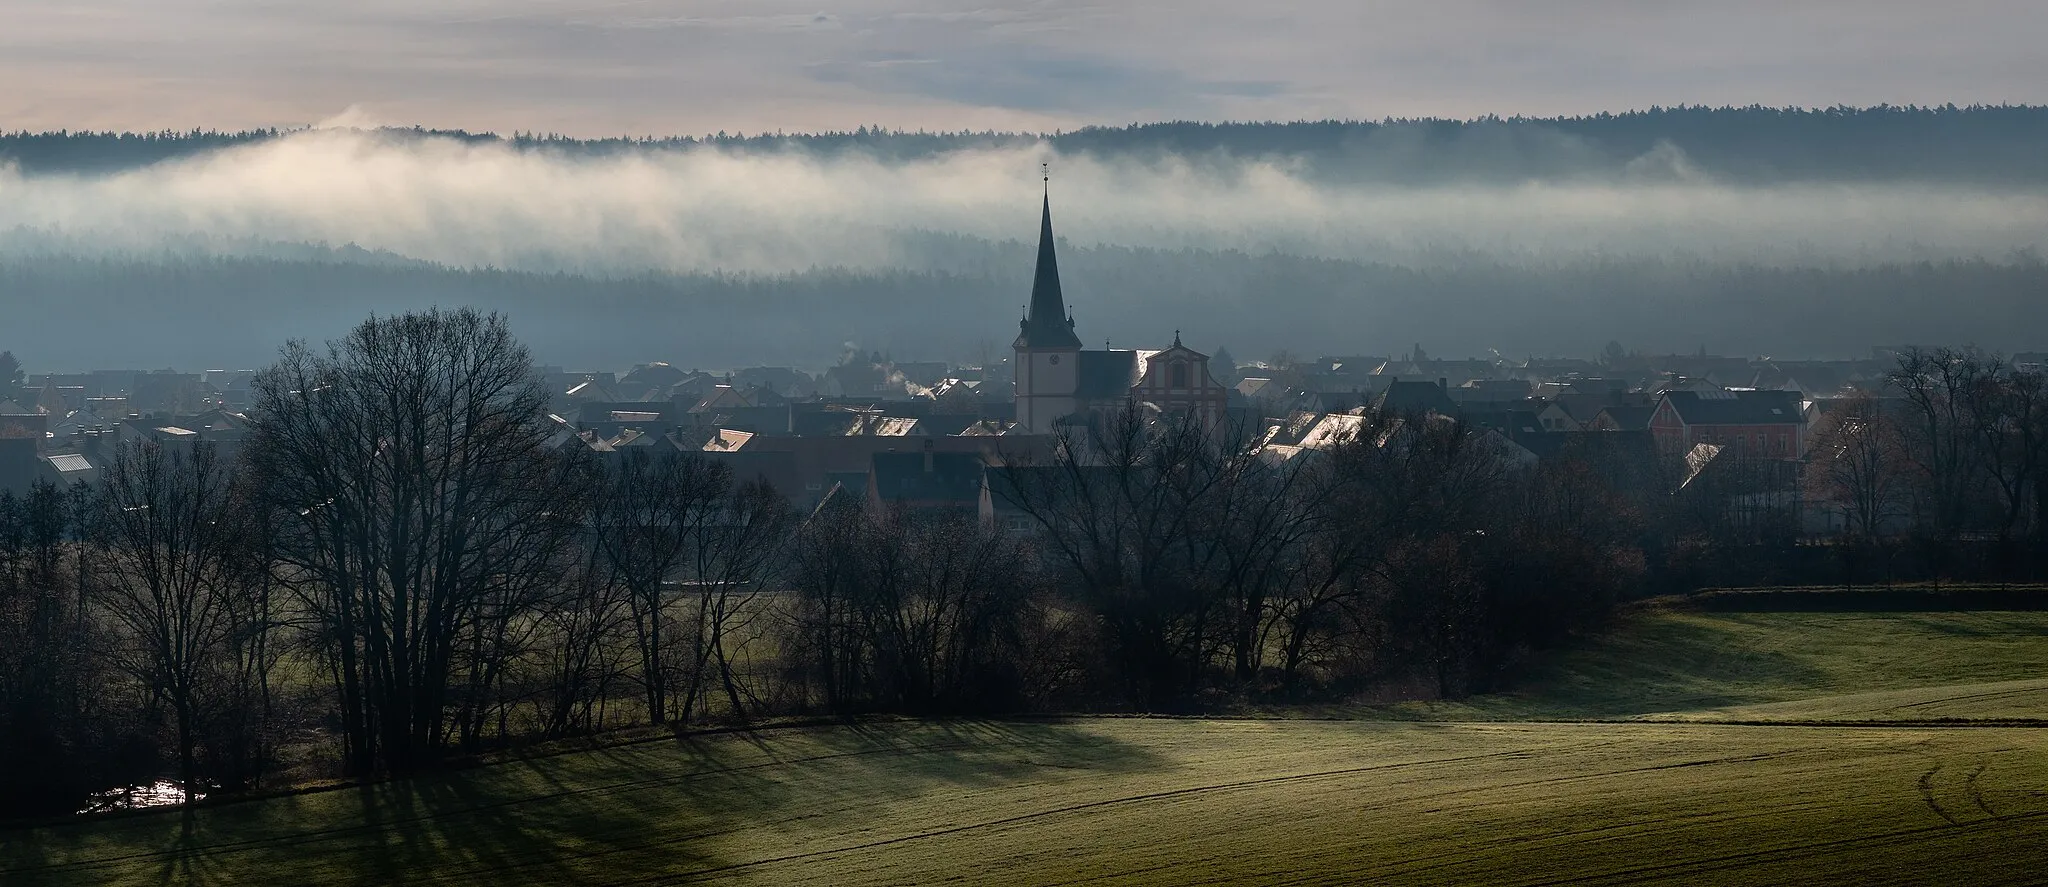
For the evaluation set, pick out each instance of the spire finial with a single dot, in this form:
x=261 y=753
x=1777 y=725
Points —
x=1045 y=176
x=1176 y=338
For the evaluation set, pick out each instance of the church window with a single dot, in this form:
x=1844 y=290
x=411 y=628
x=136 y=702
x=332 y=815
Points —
x=1177 y=374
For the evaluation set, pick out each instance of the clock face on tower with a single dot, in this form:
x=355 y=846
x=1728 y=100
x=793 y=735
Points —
x=1054 y=358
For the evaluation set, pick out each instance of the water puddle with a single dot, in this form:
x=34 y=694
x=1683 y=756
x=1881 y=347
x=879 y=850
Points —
x=161 y=793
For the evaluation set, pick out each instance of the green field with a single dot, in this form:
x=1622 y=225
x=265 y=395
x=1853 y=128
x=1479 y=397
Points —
x=1678 y=661
x=1916 y=791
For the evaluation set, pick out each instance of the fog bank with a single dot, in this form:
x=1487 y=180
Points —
x=488 y=204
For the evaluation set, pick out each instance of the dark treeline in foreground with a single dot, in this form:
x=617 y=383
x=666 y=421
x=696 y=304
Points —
x=1571 y=306
x=404 y=564
x=1982 y=144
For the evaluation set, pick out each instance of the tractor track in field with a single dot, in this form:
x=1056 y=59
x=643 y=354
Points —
x=1971 y=789
x=1066 y=809
x=667 y=840
x=1738 y=860
x=1996 y=694
x=1976 y=791
x=1325 y=774
x=1926 y=785
x=1214 y=787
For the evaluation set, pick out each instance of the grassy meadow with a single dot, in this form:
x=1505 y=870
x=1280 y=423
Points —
x=1685 y=747
x=1664 y=660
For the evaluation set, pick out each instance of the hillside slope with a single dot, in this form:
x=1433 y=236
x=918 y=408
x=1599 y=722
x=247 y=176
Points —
x=1171 y=801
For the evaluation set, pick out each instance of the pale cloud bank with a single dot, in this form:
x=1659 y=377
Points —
x=472 y=204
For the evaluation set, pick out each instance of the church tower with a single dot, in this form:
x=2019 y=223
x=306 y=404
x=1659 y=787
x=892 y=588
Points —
x=1048 y=353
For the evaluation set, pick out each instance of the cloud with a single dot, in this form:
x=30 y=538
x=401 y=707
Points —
x=641 y=66
x=1008 y=77
x=354 y=117
x=489 y=204
x=767 y=23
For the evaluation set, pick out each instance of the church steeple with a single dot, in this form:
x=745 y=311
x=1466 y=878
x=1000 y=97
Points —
x=1046 y=324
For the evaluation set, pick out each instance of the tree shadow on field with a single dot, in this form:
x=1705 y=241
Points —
x=464 y=827
x=21 y=850
x=476 y=827
x=183 y=864
x=652 y=812
x=745 y=788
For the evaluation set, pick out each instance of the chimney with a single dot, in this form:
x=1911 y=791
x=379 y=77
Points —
x=1443 y=383
x=928 y=455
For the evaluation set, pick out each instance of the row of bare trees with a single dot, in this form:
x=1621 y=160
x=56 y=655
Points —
x=137 y=630
x=1954 y=452
x=468 y=578
x=920 y=613
x=1416 y=548
x=400 y=557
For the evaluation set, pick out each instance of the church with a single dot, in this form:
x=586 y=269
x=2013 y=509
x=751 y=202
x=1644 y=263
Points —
x=1059 y=383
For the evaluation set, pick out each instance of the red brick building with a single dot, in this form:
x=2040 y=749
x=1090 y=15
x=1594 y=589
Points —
x=1770 y=424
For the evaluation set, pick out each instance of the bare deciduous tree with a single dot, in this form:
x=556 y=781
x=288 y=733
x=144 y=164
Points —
x=408 y=466
x=648 y=513
x=1857 y=469
x=174 y=570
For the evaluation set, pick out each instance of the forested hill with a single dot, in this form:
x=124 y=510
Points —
x=1979 y=144
x=235 y=311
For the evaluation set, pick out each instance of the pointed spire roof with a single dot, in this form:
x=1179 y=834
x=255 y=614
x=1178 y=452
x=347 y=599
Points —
x=1047 y=325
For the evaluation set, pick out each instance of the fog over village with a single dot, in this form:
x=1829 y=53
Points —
x=1524 y=237
x=896 y=443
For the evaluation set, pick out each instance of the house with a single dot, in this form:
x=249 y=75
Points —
x=1556 y=417
x=1771 y=424
x=586 y=391
x=1623 y=418
x=722 y=397
x=17 y=421
x=871 y=424
x=20 y=461
x=956 y=396
x=726 y=440
x=1490 y=391
x=783 y=381
x=1516 y=419
x=1332 y=430
x=165 y=391
x=66 y=469
x=1577 y=404
x=1417 y=397
x=929 y=483
x=651 y=375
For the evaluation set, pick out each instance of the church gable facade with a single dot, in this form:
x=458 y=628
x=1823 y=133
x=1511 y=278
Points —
x=1057 y=380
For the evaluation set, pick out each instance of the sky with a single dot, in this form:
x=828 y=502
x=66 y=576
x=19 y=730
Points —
x=658 y=67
